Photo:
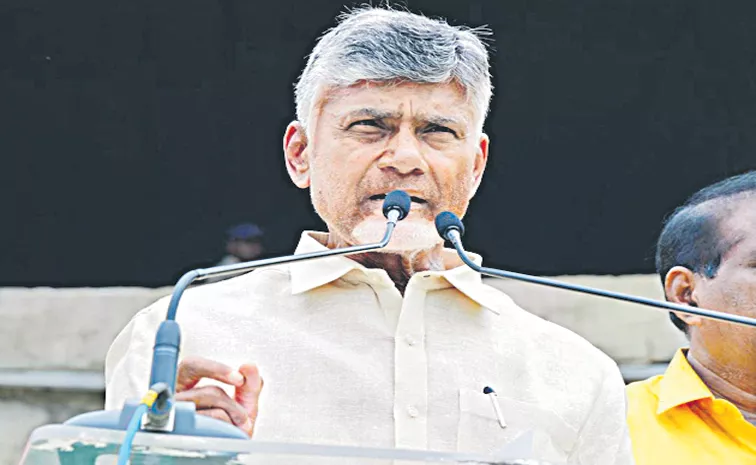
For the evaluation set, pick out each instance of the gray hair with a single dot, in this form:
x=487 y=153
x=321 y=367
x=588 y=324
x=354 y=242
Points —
x=376 y=44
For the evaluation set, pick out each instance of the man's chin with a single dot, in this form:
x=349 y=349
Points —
x=409 y=235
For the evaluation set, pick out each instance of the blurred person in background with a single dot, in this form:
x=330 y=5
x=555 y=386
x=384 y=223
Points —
x=703 y=409
x=244 y=242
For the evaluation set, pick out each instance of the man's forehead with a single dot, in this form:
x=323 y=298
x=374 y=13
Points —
x=739 y=224
x=399 y=100
x=741 y=216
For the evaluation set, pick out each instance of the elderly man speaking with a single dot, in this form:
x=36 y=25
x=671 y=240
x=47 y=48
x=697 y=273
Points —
x=392 y=348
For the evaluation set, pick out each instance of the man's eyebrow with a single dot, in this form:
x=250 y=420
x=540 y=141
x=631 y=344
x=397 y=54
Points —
x=373 y=113
x=441 y=120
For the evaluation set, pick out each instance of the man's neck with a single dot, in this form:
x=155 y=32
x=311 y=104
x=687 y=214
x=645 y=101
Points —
x=736 y=384
x=400 y=266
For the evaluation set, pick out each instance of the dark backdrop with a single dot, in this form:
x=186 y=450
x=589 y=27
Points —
x=133 y=133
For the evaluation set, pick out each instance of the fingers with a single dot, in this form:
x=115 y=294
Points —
x=248 y=394
x=218 y=414
x=192 y=369
x=214 y=398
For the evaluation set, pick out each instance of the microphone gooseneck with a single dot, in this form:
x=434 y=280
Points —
x=450 y=227
x=396 y=207
x=164 y=369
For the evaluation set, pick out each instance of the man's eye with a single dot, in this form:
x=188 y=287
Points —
x=436 y=128
x=365 y=122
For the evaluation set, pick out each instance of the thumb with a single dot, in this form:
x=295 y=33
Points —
x=248 y=394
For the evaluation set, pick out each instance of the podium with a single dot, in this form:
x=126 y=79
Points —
x=72 y=445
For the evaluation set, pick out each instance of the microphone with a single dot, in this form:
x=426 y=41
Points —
x=163 y=414
x=450 y=227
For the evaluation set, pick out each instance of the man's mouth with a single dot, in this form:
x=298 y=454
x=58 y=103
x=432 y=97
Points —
x=414 y=199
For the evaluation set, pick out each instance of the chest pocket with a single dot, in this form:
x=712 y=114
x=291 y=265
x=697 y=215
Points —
x=536 y=432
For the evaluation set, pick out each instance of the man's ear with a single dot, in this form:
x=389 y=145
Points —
x=297 y=155
x=479 y=165
x=679 y=287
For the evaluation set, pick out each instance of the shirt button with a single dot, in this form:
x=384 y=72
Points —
x=412 y=412
x=410 y=340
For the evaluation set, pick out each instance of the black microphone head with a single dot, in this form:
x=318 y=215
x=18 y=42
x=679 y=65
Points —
x=447 y=221
x=397 y=200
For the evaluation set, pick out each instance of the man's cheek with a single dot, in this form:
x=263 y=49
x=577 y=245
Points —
x=738 y=298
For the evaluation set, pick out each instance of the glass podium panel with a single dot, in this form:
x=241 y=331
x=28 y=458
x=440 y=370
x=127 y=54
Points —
x=70 y=445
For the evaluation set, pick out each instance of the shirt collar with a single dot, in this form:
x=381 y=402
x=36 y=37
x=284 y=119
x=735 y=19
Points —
x=311 y=274
x=680 y=385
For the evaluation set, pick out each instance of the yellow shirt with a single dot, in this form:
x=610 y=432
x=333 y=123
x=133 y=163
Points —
x=675 y=419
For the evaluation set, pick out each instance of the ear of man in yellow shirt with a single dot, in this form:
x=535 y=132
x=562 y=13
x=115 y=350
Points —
x=675 y=419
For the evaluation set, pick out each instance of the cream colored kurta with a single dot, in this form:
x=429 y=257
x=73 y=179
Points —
x=347 y=360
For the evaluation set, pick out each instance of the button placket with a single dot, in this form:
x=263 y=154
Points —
x=411 y=372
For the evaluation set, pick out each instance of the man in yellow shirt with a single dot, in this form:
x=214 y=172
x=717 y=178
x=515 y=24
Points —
x=703 y=409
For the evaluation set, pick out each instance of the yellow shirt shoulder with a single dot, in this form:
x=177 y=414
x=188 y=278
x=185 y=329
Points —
x=673 y=418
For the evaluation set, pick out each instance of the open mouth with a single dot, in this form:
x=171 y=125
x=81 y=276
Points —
x=414 y=199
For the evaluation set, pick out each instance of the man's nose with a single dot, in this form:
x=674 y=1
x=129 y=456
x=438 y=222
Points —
x=404 y=155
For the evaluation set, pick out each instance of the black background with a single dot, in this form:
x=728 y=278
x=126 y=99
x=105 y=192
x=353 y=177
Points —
x=132 y=134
